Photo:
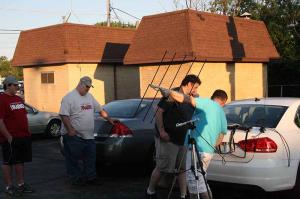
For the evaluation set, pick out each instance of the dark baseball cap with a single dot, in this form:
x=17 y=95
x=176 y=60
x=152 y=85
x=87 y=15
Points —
x=10 y=80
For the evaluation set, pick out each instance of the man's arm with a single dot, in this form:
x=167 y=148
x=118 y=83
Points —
x=105 y=115
x=220 y=139
x=4 y=131
x=160 y=125
x=67 y=123
x=179 y=97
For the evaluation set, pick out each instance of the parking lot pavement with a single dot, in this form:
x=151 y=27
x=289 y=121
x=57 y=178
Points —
x=46 y=174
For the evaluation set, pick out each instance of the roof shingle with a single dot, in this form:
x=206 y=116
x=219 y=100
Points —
x=206 y=36
x=71 y=43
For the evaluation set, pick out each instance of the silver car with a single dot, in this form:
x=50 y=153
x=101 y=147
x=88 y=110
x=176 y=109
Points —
x=43 y=122
x=1 y=88
x=132 y=139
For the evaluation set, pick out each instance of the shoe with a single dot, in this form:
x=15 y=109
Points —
x=10 y=190
x=151 y=196
x=93 y=181
x=25 y=188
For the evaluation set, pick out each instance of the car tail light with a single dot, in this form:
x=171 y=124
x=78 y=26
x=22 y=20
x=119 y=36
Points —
x=258 y=145
x=120 y=130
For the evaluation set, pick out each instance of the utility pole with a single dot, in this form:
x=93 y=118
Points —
x=108 y=12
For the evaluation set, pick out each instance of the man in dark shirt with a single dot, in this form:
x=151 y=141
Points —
x=170 y=152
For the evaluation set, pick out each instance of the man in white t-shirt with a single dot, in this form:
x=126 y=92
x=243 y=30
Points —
x=77 y=113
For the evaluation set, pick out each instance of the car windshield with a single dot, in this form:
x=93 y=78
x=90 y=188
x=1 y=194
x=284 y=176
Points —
x=254 y=115
x=123 y=109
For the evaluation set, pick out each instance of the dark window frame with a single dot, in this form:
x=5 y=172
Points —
x=297 y=117
x=47 y=77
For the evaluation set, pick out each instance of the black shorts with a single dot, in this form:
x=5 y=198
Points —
x=19 y=151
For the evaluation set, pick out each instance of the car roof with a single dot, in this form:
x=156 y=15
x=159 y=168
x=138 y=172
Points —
x=137 y=99
x=279 y=101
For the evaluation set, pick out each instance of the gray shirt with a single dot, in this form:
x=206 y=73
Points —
x=80 y=110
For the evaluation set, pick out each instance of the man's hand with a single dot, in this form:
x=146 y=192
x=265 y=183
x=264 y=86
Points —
x=164 y=136
x=9 y=138
x=72 y=132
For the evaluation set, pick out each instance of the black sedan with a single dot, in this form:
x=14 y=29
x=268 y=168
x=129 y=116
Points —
x=131 y=140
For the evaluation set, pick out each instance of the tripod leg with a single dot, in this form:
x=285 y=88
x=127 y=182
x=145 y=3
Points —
x=204 y=159
x=197 y=183
x=192 y=174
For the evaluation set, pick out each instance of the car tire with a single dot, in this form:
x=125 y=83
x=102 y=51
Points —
x=150 y=161
x=53 y=128
x=296 y=190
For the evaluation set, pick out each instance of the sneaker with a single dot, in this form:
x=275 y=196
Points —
x=151 y=196
x=10 y=190
x=25 y=188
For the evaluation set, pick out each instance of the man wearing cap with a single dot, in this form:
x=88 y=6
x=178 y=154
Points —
x=15 y=137
x=77 y=113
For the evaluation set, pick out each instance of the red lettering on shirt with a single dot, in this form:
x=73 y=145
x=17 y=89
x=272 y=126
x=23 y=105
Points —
x=86 y=107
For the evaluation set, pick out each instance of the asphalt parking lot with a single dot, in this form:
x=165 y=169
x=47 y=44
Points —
x=46 y=174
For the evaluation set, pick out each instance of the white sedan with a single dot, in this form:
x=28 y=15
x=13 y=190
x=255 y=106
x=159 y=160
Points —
x=262 y=145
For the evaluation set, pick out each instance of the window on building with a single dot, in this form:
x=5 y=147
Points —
x=47 y=78
x=297 y=117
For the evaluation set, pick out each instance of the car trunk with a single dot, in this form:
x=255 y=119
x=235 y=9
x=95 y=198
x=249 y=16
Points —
x=242 y=145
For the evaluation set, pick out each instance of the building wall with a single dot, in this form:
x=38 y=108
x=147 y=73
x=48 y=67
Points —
x=47 y=97
x=127 y=82
x=239 y=80
x=102 y=77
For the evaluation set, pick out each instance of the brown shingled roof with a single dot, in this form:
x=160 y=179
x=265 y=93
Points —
x=202 y=35
x=72 y=43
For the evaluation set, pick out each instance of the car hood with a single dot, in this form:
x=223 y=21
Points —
x=48 y=114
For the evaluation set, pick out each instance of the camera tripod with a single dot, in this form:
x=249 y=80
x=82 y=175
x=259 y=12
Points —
x=196 y=162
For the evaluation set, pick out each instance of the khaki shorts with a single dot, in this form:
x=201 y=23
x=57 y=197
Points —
x=197 y=186
x=169 y=156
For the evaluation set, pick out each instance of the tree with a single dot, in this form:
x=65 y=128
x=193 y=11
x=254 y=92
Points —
x=116 y=24
x=201 y=5
x=6 y=69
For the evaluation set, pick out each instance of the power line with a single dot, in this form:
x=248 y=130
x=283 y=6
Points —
x=9 y=33
x=10 y=30
x=116 y=15
x=126 y=13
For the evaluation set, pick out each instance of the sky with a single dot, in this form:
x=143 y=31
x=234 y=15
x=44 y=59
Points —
x=30 y=14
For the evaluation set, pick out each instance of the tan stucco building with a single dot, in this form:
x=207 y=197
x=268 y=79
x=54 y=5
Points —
x=232 y=52
x=54 y=58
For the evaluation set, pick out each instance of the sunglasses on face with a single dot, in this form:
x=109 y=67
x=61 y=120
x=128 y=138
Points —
x=16 y=85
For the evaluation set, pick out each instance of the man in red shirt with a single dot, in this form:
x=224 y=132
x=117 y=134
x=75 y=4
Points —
x=15 y=137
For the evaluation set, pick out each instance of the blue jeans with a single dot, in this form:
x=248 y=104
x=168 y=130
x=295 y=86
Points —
x=77 y=149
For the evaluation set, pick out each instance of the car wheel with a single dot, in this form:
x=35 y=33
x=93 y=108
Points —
x=150 y=161
x=296 y=189
x=53 y=128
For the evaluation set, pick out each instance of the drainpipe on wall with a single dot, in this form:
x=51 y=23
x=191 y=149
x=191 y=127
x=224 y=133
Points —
x=115 y=83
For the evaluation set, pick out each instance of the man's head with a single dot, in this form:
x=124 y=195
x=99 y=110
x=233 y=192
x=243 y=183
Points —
x=10 y=85
x=84 y=85
x=220 y=97
x=190 y=85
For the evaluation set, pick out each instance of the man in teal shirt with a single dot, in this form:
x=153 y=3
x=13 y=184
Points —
x=211 y=121
x=210 y=128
